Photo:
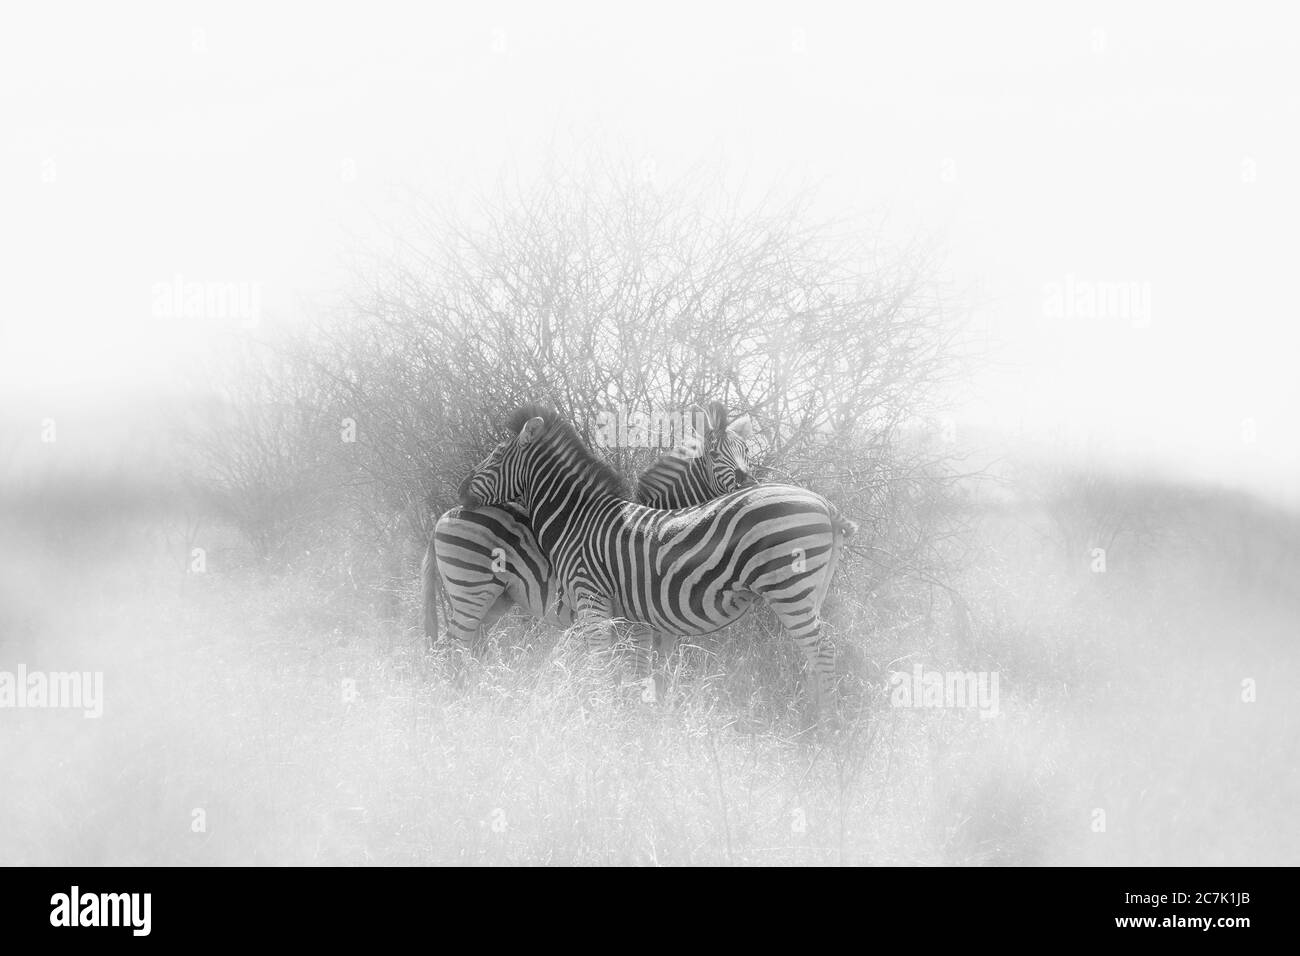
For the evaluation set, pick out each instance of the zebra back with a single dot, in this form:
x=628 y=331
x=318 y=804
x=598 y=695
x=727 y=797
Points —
x=678 y=571
x=489 y=559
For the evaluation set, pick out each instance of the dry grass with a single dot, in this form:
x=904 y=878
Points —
x=225 y=692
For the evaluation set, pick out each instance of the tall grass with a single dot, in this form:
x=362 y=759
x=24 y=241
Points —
x=310 y=725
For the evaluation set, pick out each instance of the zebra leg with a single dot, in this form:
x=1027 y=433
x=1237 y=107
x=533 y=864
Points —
x=804 y=627
x=664 y=645
x=594 y=624
x=472 y=610
x=643 y=643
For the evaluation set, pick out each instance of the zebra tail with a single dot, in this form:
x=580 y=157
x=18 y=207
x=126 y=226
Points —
x=842 y=526
x=429 y=572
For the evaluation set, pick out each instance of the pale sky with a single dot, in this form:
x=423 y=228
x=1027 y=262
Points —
x=1154 y=150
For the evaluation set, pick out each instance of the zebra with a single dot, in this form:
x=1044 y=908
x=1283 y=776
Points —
x=487 y=559
x=699 y=469
x=682 y=571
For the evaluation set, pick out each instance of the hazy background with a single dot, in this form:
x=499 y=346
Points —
x=1152 y=148
x=1112 y=144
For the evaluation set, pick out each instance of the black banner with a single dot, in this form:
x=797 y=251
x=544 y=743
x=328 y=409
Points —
x=926 y=906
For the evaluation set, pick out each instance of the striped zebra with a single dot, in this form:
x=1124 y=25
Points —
x=683 y=571
x=487 y=560
x=698 y=470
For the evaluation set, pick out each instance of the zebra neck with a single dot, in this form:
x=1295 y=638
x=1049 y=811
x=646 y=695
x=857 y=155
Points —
x=678 y=479
x=563 y=493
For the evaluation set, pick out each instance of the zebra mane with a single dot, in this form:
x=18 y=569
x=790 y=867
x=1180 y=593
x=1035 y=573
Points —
x=562 y=434
x=667 y=463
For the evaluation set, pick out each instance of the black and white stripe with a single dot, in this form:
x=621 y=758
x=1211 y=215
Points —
x=683 y=571
x=713 y=462
x=487 y=560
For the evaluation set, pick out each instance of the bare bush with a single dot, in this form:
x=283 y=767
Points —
x=595 y=289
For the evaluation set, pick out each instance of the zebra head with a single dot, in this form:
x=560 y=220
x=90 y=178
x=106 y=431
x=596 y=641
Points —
x=543 y=458
x=501 y=476
x=725 y=450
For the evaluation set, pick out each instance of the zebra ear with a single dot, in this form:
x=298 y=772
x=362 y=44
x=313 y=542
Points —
x=717 y=419
x=742 y=426
x=531 y=431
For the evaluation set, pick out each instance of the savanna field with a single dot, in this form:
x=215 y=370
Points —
x=236 y=548
x=291 y=713
x=545 y=435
